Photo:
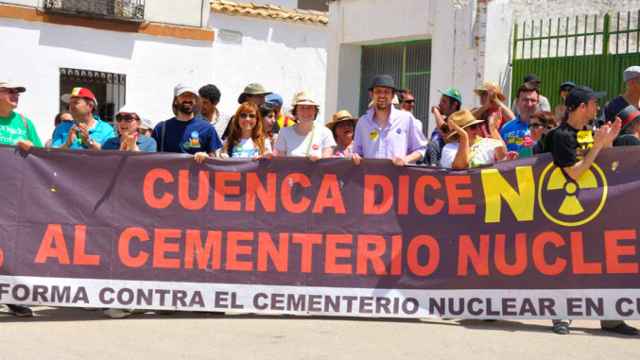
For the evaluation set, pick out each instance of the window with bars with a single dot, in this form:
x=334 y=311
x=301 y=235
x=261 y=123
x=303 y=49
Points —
x=109 y=89
x=408 y=63
x=132 y=10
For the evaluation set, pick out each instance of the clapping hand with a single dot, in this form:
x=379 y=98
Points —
x=605 y=135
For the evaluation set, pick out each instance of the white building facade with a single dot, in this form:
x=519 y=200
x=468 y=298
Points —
x=135 y=51
x=452 y=42
x=271 y=43
x=431 y=45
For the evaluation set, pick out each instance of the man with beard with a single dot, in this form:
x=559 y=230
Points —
x=385 y=132
x=187 y=132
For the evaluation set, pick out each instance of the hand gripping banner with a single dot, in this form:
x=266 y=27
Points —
x=290 y=236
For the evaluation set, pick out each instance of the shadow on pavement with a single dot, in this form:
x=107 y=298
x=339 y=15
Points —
x=513 y=326
x=49 y=314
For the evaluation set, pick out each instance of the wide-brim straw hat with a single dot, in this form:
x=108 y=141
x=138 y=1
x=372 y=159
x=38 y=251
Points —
x=464 y=119
x=491 y=86
x=341 y=116
x=302 y=98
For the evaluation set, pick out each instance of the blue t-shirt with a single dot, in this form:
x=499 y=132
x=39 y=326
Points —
x=99 y=133
x=517 y=136
x=189 y=137
x=145 y=143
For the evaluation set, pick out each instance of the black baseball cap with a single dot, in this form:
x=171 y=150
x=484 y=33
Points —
x=567 y=86
x=532 y=78
x=582 y=95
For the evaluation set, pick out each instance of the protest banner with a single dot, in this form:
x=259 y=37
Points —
x=291 y=236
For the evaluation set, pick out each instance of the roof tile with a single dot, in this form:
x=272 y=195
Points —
x=269 y=11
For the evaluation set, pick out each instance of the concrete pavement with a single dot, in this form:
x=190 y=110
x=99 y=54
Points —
x=80 y=334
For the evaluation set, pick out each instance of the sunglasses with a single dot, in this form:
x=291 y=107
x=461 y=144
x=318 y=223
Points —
x=125 y=118
x=475 y=126
x=409 y=101
x=10 y=91
x=248 y=116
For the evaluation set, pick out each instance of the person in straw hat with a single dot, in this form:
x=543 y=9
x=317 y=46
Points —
x=342 y=125
x=467 y=147
x=492 y=102
x=305 y=139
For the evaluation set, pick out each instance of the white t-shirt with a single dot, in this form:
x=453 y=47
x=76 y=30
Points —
x=448 y=154
x=482 y=152
x=246 y=148
x=289 y=143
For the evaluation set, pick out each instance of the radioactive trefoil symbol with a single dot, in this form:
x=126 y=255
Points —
x=571 y=211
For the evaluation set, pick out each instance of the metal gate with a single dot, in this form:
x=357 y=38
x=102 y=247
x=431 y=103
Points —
x=410 y=65
x=590 y=50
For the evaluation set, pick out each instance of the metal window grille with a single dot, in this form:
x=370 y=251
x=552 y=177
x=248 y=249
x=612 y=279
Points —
x=109 y=88
x=409 y=64
x=132 y=10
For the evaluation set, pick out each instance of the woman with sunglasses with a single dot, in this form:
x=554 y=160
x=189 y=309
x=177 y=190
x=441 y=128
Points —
x=246 y=138
x=129 y=139
x=467 y=147
x=540 y=124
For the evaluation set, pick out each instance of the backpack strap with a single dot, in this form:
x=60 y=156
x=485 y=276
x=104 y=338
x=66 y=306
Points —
x=163 y=132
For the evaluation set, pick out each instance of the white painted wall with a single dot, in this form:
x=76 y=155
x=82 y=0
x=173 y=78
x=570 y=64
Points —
x=153 y=65
x=32 y=3
x=183 y=12
x=284 y=57
x=372 y=21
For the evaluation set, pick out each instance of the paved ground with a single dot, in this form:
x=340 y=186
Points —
x=79 y=334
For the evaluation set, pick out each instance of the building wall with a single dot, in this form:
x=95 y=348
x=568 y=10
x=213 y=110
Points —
x=183 y=12
x=353 y=23
x=284 y=57
x=153 y=65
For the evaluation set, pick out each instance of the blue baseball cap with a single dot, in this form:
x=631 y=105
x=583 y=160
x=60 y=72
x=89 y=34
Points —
x=274 y=100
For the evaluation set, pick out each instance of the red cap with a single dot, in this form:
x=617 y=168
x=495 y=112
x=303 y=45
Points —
x=83 y=93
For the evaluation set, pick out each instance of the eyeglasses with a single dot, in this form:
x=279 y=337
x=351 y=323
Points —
x=247 y=116
x=126 y=118
x=538 y=126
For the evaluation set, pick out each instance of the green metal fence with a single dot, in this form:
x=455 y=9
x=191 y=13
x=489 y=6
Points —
x=592 y=50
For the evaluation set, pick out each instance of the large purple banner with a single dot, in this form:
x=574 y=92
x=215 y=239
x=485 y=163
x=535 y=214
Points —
x=158 y=231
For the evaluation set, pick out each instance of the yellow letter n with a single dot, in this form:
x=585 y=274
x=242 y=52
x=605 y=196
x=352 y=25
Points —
x=496 y=188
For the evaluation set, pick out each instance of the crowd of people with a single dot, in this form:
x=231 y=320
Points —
x=574 y=132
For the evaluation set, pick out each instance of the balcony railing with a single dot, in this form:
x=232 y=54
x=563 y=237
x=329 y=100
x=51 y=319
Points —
x=129 y=10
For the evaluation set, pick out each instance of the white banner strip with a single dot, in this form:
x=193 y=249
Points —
x=609 y=304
